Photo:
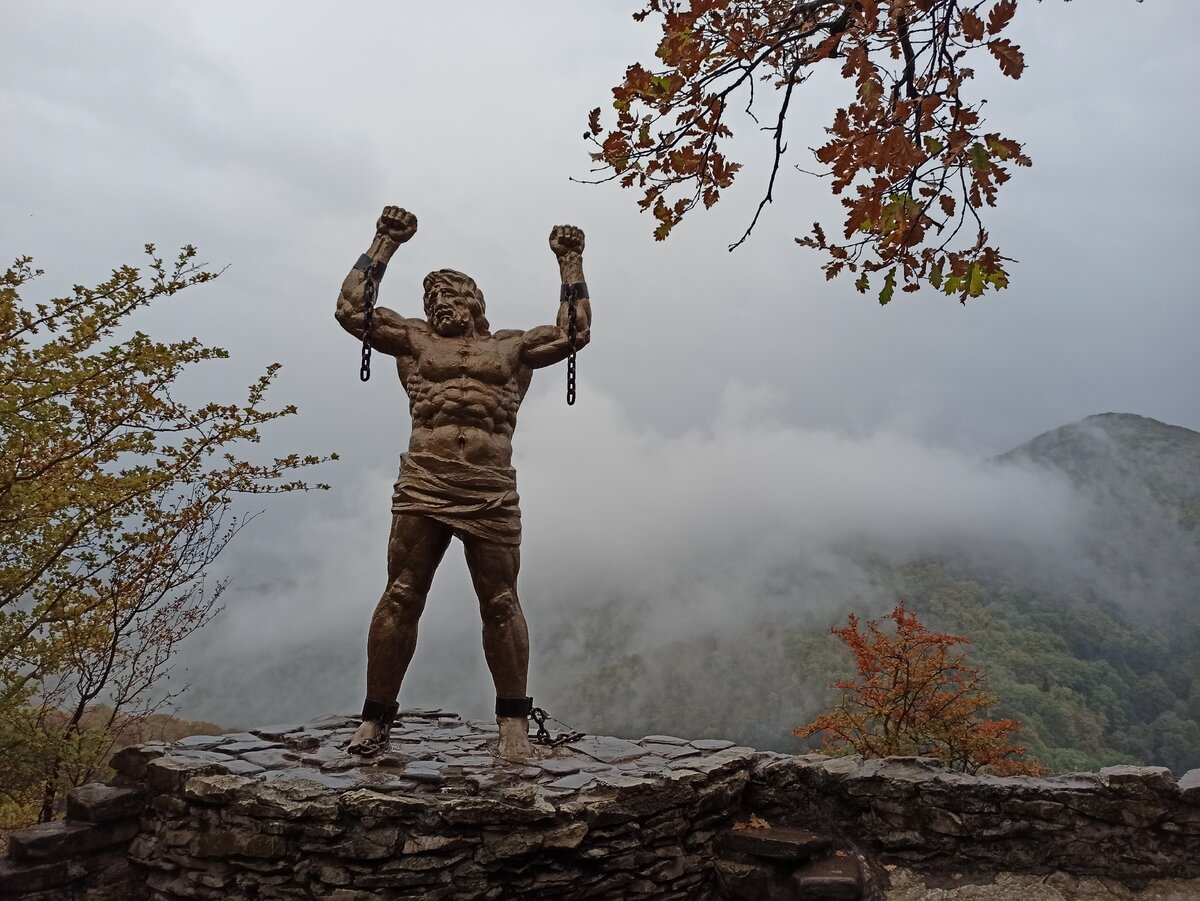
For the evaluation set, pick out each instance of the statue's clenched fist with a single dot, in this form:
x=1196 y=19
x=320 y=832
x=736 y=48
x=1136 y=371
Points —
x=566 y=239
x=396 y=224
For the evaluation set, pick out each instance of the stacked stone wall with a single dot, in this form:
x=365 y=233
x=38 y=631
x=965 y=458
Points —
x=81 y=858
x=1128 y=823
x=283 y=813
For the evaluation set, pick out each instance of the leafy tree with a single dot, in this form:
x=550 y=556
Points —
x=916 y=694
x=115 y=496
x=909 y=152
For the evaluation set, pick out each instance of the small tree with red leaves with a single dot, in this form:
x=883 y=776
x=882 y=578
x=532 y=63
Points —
x=916 y=695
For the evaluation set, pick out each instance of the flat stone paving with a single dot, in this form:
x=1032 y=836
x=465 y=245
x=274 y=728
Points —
x=439 y=752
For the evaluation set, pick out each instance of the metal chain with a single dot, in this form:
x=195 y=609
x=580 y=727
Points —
x=543 y=737
x=571 y=333
x=369 y=289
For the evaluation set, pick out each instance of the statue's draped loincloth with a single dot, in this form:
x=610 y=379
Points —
x=479 y=500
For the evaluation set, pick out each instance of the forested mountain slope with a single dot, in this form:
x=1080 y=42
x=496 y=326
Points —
x=1098 y=655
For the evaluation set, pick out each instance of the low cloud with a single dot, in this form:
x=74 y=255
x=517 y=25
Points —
x=634 y=539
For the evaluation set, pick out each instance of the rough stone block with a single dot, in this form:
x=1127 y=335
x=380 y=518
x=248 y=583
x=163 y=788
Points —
x=779 y=843
x=288 y=799
x=743 y=881
x=832 y=879
x=1139 y=779
x=61 y=840
x=514 y=843
x=424 y=844
x=372 y=844
x=367 y=803
x=215 y=790
x=840 y=766
x=171 y=773
x=230 y=842
x=20 y=879
x=1189 y=786
x=485 y=811
x=100 y=803
x=1034 y=808
x=132 y=761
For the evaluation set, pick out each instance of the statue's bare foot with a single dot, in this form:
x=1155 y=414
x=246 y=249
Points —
x=369 y=740
x=514 y=738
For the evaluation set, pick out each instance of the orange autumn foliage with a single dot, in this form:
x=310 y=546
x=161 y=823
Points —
x=916 y=695
x=907 y=149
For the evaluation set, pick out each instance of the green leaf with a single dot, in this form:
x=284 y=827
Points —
x=935 y=276
x=889 y=287
x=933 y=146
x=975 y=280
x=980 y=160
x=997 y=149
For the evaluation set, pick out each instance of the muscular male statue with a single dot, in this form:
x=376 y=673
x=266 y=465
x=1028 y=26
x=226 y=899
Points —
x=465 y=385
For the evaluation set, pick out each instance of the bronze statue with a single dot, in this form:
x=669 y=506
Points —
x=465 y=385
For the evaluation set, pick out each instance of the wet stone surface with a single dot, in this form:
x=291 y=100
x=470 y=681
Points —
x=283 y=811
x=437 y=752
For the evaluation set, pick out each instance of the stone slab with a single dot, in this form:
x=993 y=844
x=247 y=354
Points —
x=62 y=840
x=1189 y=786
x=99 y=803
x=608 y=750
x=664 y=740
x=19 y=879
x=832 y=879
x=574 y=781
x=711 y=744
x=331 y=722
x=241 y=747
x=777 y=843
x=201 y=742
x=559 y=766
x=271 y=758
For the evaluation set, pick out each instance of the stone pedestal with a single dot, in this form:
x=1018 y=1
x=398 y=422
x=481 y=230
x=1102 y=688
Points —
x=281 y=812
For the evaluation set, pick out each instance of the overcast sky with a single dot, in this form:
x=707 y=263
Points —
x=270 y=135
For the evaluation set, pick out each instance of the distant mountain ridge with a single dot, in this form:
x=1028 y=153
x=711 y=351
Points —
x=1123 y=454
x=1142 y=479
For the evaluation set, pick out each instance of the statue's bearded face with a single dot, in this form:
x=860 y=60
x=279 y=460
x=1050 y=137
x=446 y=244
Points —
x=454 y=305
x=451 y=314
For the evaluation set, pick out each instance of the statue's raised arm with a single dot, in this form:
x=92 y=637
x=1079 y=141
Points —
x=548 y=344
x=389 y=330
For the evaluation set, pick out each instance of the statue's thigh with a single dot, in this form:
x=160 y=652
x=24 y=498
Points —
x=415 y=548
x=493 y=566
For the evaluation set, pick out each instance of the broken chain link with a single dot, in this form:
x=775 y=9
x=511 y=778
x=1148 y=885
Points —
x=543 y=737
x=369 y=292
x=571 y=335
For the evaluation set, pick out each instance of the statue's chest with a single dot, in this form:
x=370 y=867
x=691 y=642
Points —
x=464 y=359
